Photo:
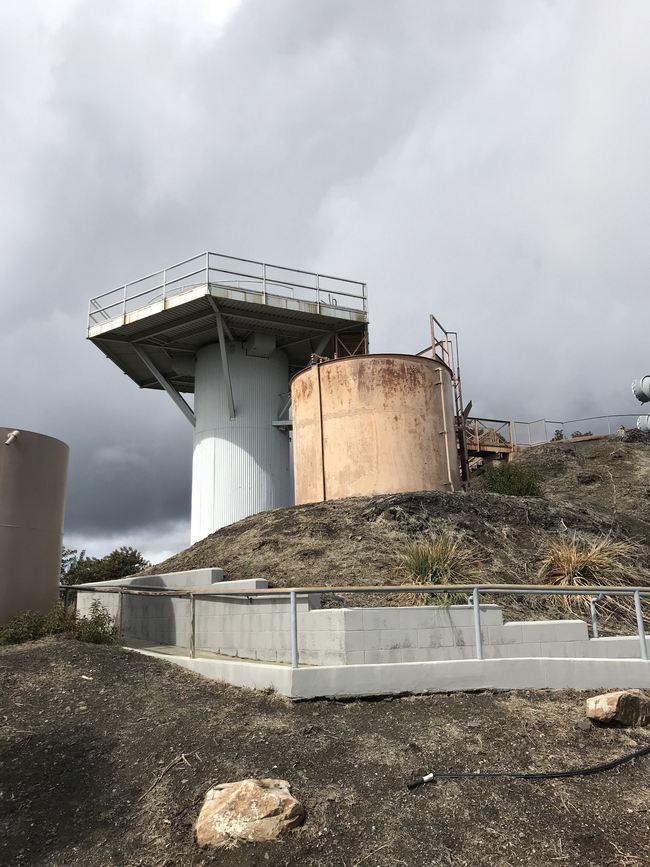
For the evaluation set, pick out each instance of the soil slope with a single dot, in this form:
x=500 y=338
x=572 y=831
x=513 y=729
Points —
x=593 y=487
x=88 y=737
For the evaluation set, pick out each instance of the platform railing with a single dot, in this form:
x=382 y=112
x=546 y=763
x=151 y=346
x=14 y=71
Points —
x=490 y=433
x=595 y=595
x=245 y=275
x=542 y=430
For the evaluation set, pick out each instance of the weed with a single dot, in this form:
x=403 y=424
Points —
x=443 y=559
x=511 y=479
x=573 y=562
x=97 y=628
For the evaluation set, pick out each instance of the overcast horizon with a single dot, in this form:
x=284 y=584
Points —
x=482 y=161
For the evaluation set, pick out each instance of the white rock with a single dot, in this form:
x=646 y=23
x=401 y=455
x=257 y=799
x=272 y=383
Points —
x=252 y=810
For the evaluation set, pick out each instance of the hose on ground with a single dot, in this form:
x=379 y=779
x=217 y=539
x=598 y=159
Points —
x=547 y=775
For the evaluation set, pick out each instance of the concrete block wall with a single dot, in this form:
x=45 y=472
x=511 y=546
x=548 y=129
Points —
x=258 y=628
x=261 y=629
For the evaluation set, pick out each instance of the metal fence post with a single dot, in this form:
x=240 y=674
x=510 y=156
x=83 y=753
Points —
x=477 y=623
x=594 y=617
x=639 y=623
x=192 y=626
x=294 y=630
x=118 y=616
x=264 y=283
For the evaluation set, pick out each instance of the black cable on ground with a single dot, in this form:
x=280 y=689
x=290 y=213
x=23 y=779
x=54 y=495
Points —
x=549 y=775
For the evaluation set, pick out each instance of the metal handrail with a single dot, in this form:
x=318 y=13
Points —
x=474 y=590
x=213 y=265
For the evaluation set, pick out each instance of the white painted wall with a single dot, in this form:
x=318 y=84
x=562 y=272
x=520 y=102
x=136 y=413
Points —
x=240 y=466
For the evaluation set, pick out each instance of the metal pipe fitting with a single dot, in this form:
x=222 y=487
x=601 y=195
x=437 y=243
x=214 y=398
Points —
x=641 y=389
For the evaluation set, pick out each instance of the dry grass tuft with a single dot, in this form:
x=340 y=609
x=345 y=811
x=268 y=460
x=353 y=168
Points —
x=441 y=559
x=574 y=562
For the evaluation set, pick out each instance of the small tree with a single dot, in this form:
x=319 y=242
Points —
x=69 y=557
x=79 y=569
x=557 y=436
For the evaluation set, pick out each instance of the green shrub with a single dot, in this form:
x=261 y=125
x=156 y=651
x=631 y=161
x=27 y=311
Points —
x=511 y=479
x=97 y=628
x=24 y=626
x=443 y=559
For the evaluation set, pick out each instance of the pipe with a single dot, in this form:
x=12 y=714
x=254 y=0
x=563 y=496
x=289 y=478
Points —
x=641 y=389
x=445 y=432
x=12 y=436
x=322 y=433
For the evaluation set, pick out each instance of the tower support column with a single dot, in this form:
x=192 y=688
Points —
x=240 y=465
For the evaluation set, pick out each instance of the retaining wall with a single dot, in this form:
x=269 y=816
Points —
x=258 y=628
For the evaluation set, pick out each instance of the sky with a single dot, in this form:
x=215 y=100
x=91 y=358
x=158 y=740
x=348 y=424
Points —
x=482 y=160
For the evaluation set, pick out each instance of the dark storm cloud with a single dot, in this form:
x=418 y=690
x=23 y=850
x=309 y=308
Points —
x=482 y=161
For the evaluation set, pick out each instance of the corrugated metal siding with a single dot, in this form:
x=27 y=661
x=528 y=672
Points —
x=241 y=465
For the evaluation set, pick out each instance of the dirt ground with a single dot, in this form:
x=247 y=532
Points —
x=86 y=732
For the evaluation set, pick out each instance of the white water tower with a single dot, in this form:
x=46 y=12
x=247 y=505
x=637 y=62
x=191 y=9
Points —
x=232 y=332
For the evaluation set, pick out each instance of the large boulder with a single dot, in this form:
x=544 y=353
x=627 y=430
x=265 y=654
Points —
x=252 y=810
x=629 y=707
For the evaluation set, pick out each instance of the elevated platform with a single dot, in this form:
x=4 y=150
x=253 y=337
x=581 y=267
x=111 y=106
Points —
x=173 y=313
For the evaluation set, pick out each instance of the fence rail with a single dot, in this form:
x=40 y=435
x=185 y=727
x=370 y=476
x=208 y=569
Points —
x=542 y=430
x=475 y=591
x=248 y=275
x=488 y=434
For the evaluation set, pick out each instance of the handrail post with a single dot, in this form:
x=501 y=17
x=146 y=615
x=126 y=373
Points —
x=477 y=623
x=264 y=283
x=594 y=617
x=118 y=615
x=164 y=294
x=192 y=626
x=207 y=269
x=294 y=630
x=318 y=292
x=639 y=623
x=124 y=303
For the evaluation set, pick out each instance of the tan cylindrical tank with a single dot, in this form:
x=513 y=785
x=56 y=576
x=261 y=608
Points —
x=33 y=472
x=373 y=424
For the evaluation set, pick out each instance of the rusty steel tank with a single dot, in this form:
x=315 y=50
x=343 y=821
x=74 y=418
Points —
x=33 y=472
x=373 y=424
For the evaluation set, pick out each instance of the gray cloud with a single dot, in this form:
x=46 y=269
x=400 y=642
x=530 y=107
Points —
x=485 y=162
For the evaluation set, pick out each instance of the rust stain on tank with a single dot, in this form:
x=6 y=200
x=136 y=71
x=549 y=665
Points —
x=376 y=424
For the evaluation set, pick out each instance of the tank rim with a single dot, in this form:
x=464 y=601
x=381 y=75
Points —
x=35 y=433
x=426 y=358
